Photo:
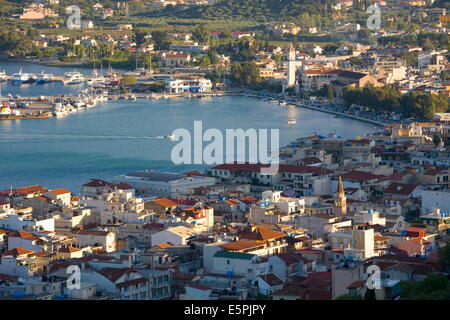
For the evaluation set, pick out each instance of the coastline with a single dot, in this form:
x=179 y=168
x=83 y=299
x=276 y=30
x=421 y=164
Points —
x=311 y=107
x=43 y=63
x=153 y=95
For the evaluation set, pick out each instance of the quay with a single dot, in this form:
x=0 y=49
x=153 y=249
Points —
x=309 y=106
x=39 y=105
x=43 y=107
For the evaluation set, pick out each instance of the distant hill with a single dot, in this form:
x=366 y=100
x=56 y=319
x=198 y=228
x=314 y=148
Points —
x=260 y=10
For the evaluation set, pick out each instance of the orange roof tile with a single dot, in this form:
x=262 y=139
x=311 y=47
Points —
x=59 y=191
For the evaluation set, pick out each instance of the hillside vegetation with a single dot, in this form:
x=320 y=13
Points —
x=260 y=10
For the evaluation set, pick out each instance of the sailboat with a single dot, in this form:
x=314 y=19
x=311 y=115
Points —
x=96 y=78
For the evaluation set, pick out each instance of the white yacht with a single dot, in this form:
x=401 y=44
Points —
x=73 y=78
x=2 y=76
x=21 y=78
x=95 y=78
x=292 y=121
x=42 y=78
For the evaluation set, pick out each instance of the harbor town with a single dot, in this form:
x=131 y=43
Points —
x=94 y=206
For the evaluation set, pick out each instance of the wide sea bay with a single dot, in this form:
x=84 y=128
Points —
x=117 y=137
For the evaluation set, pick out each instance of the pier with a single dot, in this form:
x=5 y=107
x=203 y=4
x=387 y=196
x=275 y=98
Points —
x=43 y=107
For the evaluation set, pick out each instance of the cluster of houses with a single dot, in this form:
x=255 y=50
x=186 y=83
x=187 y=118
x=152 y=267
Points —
x=335 y=208
x=309 y=69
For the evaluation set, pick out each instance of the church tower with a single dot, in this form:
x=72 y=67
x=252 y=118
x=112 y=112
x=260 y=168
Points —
x=291 y=67
x=340 y=201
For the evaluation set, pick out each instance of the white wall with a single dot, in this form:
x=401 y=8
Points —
x=435 y=199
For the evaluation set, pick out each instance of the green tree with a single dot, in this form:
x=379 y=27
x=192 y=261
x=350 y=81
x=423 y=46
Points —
x=128 y=80
x=161 y=39
x=139 y=36
x=245 y=74
x=433 y=287
x=330 y=92
x=205 y=62
x=444 y=257
x=201 y=34
x=437 y=140
x=370 y=294
x=15 y=43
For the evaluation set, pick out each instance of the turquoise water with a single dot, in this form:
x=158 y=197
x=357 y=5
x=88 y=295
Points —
x=117 y=137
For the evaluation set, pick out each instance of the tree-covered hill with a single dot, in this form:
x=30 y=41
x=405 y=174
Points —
x=261 y=10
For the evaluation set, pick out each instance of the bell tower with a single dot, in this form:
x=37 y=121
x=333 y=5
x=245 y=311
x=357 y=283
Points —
x=291 y=66
x=340 y=201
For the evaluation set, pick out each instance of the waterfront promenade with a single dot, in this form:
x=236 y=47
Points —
x=47 y=102
x=311 y=106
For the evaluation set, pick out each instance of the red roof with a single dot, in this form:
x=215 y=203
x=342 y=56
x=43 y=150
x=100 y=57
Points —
x=435 y=171
x=283 y=168
x=198 y=286
x=271 y=279
x=17 y=252
x=113 y=274
x=360 y=175
x=400 y=188
x=59 y=191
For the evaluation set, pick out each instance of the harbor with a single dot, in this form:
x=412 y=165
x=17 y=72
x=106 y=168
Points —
x=79 y=90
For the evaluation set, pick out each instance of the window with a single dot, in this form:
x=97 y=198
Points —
x=228 y=261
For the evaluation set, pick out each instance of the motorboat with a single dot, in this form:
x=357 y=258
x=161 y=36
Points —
x=43 y=78
x=73 y=78
x=292 y=121
x=3 y=76
x=21 y=78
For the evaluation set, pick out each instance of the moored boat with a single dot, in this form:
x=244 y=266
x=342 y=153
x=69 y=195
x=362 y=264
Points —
x=73 y=77
x=43 y=78
x=21 y=78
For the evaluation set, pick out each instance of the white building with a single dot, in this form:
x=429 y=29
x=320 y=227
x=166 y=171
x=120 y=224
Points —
x=21 y=222
x=176 y=235
x=97 y=238
x=164 y=184
x=194 y=85
x=435 y=199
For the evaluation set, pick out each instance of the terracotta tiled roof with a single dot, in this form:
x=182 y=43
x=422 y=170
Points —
x=400 y=188
x=164 y=245
x=198 y=286
x=271 y=279
x=241 y=245
x=35 y=189
x=164 y=202
x=132 y=282
x=17 y=252
x=360 y=175
x=22 y=234
x=260 y=233
x=357 y=284
x=113 y=274
x=59 y=191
